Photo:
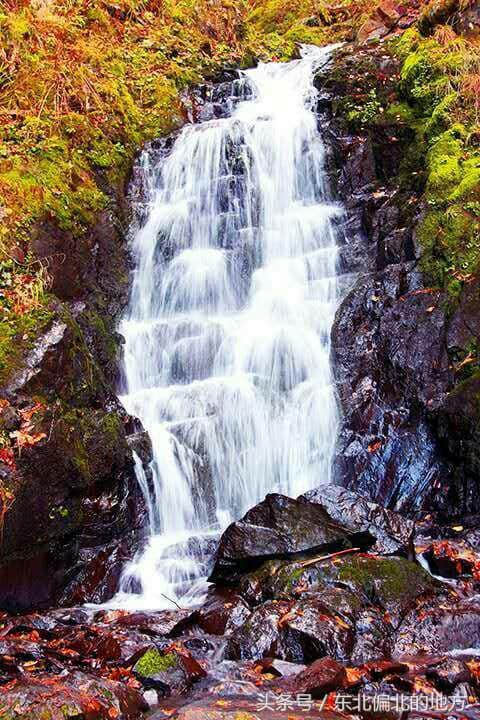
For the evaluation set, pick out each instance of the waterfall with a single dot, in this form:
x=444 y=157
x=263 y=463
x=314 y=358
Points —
x=227 y=331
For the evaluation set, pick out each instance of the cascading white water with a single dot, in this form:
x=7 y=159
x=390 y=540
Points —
x=227 y=332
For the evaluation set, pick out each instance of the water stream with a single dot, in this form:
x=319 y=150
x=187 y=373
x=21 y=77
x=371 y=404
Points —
x=227 y=334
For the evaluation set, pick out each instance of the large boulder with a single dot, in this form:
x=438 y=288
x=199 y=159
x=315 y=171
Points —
x=281 y=527
x=393 y=533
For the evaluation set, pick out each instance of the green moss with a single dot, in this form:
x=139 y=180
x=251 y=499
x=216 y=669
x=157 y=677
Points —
x=153 y=662
x=389 y=579
x=444 y=164
x=70 y=711
x=399 y=112
x=417 y=81
x=449 y=233
x=90 y=437
x=468 y=189
x=450 y=243
x=441 y=118
x=366 y=112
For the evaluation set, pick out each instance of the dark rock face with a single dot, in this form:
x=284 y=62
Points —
x=279 y=527
x=77 y=511
x=391 y=361
x=394 y=347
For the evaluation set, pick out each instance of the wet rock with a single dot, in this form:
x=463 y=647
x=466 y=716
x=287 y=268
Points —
x=45 y=352
x=348 y=583
x=458 y=428
x=321 y=677
x=87 y=514
x=373 y=637
x=169 y=673
x=310 y=630
x=141 y=444
x=280 y=526
x=451 y=559
x=358 y=170
x=70 y=695
x=393 y=584
x=436 y=627
x=388 y=450
x=282 y=668
x=167 y=623
x=449 y=673
x=298 y=632
x=259 y=636
x=393 y=533
x=222 y=612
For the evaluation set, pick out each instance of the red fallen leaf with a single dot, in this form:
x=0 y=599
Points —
x=373 y=447
x=291 y=615
x=7 y=457
x=133 y=683
x=354 y=674
x=113 y=713
x=93 y=705
x=28 y=414
x=423 y=291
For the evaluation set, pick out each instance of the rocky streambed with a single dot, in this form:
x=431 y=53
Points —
x=318 y=608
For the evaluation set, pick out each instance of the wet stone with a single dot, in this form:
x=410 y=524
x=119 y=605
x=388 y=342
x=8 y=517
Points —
x=169 y=673
x=319 y=678
x=280 y=526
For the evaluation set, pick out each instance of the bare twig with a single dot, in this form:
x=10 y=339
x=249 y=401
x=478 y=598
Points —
x=172 y=601
x=329 y=557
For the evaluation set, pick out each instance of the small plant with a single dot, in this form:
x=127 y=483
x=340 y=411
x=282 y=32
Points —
x=366 y=113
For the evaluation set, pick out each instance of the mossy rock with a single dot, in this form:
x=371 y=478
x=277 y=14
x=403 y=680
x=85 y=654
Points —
x=392 y=583
x=94 y=444
x=153 y=662
x=386 y=581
